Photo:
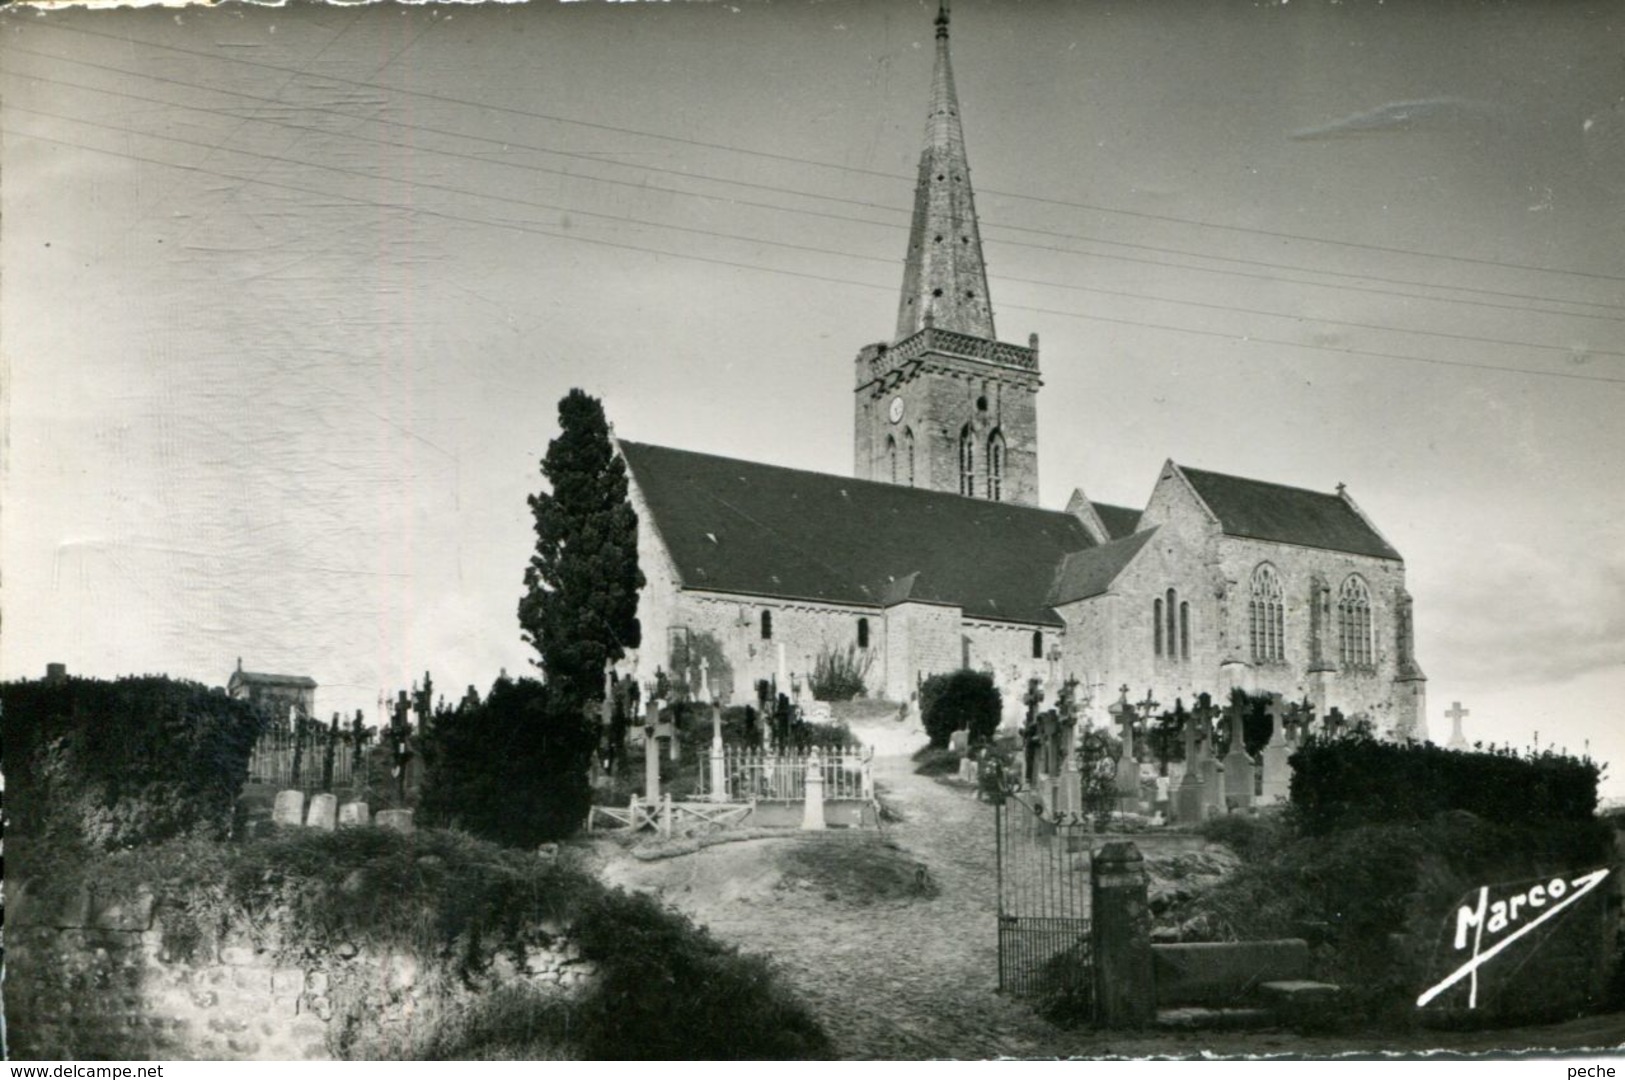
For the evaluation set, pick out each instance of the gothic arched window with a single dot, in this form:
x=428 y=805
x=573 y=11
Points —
x=891 y=456
x=1266 y=619
x=908 y=445
x=995 y=466
x=967 y=462
x=1184 y=629
x=1171 y=612
x=863 y=633
x=767 y=626
x=1354 y=622
x=1038 y=644
x=1156 y=623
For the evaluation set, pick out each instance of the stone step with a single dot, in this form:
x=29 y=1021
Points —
x=1204 y=1018
x=1299 y=1000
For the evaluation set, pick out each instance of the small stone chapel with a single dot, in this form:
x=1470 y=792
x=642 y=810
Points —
x=934 y=554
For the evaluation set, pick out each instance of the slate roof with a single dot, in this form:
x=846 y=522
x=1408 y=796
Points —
x=1120 y=521
x=1288 y=515
x=1083 y=574
x=763 y=530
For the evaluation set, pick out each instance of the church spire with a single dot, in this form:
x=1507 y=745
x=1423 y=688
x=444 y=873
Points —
x=944 y=279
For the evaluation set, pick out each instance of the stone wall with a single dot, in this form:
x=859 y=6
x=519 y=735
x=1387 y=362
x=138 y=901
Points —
x=88 y=978
x=922 y=640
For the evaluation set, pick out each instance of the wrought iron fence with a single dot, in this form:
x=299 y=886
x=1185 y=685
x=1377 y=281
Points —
x=1043 y=900
x=769 y=777
x=284 y=759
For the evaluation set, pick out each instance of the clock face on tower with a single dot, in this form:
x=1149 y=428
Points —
x=896 y=409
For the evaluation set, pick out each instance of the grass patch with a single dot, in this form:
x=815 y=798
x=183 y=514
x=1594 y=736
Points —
x=936 y=761
x=857 y=869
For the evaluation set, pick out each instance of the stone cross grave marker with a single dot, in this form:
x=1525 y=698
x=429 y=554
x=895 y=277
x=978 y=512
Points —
x=705 y=679
x=1273 y=759
x=1456 y=714
x=1029 y=732
x=1128 y=766
x=1187 y=808
x=654 y=729
x=1238 y=766
x=719 y=781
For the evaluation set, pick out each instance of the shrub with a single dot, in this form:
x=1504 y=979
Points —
x=1348 y=891
x=835 y=734
x=838 y=675
x=958 y=701
x=670 y=991
x=1337 y=782
x=133 y=761
x=511 y=769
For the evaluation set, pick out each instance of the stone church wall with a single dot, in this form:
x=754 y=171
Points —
x=1111 y=639
x=922 y=640
x=1174 y=559
x=1369 y=691
x=1007 y=650
x=732 y=625
x=659 y=593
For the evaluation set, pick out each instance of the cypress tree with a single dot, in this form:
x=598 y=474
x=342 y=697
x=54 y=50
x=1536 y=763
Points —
x=581 y=586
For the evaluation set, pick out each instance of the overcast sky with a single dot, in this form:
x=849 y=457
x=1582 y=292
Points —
x=290 y=295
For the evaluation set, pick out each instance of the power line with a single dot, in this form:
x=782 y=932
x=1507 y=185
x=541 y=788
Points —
x=598 y=160
x=534 y=230
x=811 y=249
x=768 y=155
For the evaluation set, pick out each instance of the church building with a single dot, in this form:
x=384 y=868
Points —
x=934 y=555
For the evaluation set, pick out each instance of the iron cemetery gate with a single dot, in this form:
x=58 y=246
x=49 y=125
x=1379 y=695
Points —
x=1043 y=886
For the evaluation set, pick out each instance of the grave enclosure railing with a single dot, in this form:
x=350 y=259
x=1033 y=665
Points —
x=273 y=759
x=750 y=775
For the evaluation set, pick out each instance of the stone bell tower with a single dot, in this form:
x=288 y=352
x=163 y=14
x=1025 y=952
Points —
x=945 y=405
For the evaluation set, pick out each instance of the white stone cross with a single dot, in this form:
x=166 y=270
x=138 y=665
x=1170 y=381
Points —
x=1456 y=714
x=705 y=679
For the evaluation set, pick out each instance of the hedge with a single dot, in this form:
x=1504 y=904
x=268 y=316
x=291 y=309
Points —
x=1356 y=780
x=134 y=761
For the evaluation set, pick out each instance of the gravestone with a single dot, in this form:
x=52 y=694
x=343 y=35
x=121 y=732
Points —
x=323 y=812
x=1128 y=769
x=354 y=813
x=959 y=741
x=398 y=820
x=289 y=808
x=654 y=729
x=719 y=779
x=812 y=807
x=1238 y=768
x=1277 y=774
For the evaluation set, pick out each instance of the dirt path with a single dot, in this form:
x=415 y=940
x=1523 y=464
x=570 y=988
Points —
x=896 y=975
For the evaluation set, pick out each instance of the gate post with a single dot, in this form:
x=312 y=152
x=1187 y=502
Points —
x=1120 y=932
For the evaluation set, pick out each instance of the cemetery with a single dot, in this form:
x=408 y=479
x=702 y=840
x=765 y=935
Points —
x=1145 y=881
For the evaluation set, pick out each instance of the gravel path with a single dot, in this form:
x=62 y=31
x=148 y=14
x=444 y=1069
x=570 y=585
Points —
x=912 y=977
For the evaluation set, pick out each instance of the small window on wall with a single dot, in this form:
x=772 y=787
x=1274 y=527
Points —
x=863 y=633
x=767 y=626
x=1184 y=629
x=1038 y=644
x=1156 y=623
